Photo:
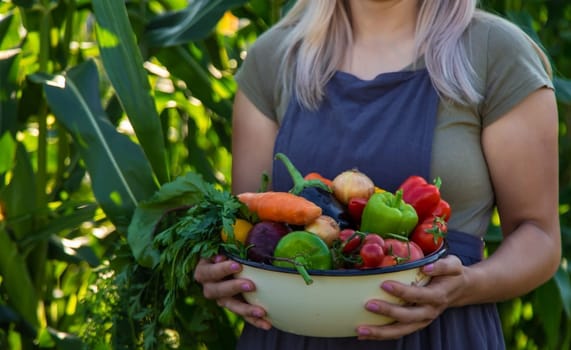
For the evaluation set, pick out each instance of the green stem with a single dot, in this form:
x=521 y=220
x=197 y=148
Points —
x=299 y=265
x=304 y=274
x=397 y=199
x=44 y=53
x=395 y=236
x=299 y=183
x=68 y=33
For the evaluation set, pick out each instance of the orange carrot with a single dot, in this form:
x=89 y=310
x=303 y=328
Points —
x=281 y=207
x=318 y=176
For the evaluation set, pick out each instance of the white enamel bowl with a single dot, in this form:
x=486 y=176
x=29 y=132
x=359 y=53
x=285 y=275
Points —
x=333 y=305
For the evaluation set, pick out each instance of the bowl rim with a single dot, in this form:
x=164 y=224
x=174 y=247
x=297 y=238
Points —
x=432 y=257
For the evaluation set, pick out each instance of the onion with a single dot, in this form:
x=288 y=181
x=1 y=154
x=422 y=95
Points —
x=352 y=183
x=325 y=227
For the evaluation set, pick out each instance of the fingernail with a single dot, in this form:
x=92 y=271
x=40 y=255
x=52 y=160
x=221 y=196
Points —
x=372 y=307
x=258 y=313
x=387 y=286
x=364 y=331
x=235 y=267
x=218 y=258
x=428 y=268
x=246 y=287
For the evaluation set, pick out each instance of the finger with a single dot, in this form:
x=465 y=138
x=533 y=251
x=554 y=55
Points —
x=412 y=294
x=251 y=313
x=450 y=265
x=226 y=288
x=259 y=322
x=404 y=313
x=207 y=271
x=392 y=331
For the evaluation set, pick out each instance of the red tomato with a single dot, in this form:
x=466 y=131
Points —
x=415 y=252
x=388 y=260
x=443 y=210
x=403 y=251
x=396 y=248
x=375 y=239
x=429 y=234
x=351 y=241
x=372 y=255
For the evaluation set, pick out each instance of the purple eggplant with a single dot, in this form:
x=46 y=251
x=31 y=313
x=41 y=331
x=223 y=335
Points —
x=263 y=238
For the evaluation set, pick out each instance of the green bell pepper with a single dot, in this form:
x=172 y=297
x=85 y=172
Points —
x=387 y=213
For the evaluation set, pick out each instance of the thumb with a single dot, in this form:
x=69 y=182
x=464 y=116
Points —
x=450 y=265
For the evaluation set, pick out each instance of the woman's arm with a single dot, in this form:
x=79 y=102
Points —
x=253 y=140
x=521 y=149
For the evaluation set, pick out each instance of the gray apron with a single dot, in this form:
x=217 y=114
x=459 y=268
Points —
x=384 y=127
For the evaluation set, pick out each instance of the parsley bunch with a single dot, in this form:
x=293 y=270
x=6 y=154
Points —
x=194 y=235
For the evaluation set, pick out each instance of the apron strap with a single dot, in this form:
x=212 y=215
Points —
x=467 y=247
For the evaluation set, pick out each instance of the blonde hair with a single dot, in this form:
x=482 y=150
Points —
x=321 y=32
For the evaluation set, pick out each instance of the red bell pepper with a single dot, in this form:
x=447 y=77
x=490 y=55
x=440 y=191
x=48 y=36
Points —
x=443 y=210
x=355 y=208
x=423 y=196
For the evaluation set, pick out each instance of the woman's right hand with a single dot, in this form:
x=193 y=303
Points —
x=217 y=282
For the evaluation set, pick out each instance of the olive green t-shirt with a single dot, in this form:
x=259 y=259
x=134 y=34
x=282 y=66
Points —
x=509 y=68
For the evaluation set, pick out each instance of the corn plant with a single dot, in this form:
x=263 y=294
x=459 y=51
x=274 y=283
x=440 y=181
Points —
x=103 y=103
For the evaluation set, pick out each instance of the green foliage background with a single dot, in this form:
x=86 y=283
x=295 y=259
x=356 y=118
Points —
x=103 y=102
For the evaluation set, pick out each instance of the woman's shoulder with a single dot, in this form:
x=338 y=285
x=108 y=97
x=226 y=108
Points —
x=268 y=44
x=496 y=34
x=508 y=62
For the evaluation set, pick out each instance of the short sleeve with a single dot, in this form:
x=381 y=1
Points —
x=257 y=77
x=514 y=69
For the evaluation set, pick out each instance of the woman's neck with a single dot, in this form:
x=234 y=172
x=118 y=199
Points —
x=383 y=21
x=383 y=36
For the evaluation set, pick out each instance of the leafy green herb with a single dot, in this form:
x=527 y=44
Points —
x=195 y=235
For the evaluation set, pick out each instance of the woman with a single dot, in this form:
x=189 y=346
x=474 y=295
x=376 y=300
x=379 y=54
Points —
x=394 y=88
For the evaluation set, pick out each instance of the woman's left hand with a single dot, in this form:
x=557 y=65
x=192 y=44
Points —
x=423 y=304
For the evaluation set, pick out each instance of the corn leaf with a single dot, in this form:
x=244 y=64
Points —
x=123 y=64
x=19 y=197
x=120 y=173
x=16 y=280
x=562 y=89
x=193 y=23
x=9 y=61
x=185 y=67
x=8 y=154
x=563 y=282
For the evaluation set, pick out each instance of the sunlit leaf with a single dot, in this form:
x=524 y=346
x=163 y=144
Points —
x=563 y=89
x=119 y=171
x=195 y=22
x=9 y=61
x=183 y=191
x=16 y=279
x=65 y=341
x=19 y=196
x=563 y=282
x=77 y=215
x=123 y=64
x=548 y=306
x=7 y=156
x=64 y=250
x=185 y=67
x=45 y=339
